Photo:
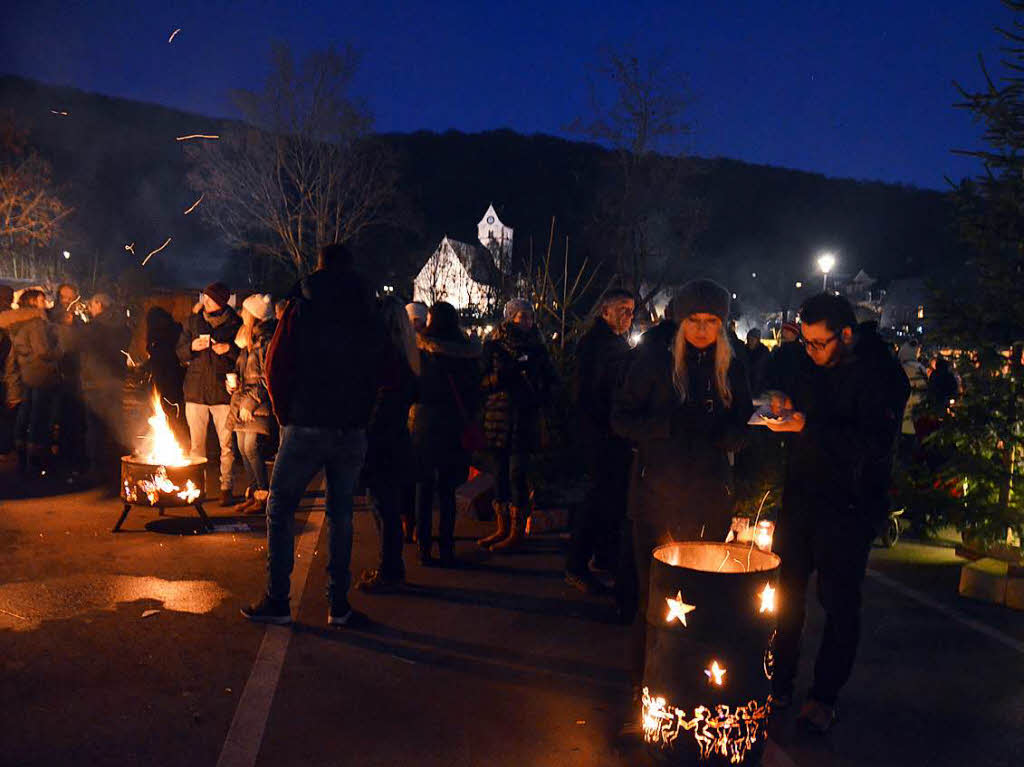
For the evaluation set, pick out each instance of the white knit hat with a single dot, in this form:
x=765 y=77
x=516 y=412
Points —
x=260 y=306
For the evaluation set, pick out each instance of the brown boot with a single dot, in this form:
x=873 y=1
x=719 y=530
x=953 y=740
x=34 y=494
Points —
x=259 y=502
x=244 y=506
x=517 y=529
x=501 y=514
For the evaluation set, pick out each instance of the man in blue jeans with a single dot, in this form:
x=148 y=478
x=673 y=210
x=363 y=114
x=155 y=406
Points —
x=329 y=356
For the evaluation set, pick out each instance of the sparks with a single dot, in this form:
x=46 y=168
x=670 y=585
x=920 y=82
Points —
x=175 y=32
x=677 y=608
x=130 y=248
x=166 y=243
x=196 y=135
x=196 y=203
x=55 y=112
x=767 y=596
x=716 y=673
x=128 y=357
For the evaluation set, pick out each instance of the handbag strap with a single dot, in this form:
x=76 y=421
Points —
x=458 y=399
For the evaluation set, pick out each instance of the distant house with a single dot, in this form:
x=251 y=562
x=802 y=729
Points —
x=468 y=275
x=903 y=307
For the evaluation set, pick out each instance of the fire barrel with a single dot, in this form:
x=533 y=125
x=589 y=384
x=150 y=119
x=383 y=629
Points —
x=711 y=619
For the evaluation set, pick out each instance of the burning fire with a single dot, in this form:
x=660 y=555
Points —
x=767 y=596
x=715 y=674
x=163 y=447
x=677 y=608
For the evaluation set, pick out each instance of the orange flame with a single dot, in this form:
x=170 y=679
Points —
x=163 y=447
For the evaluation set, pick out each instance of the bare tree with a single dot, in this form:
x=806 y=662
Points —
x=302 y=171
x=30 y=210
x=646 y=215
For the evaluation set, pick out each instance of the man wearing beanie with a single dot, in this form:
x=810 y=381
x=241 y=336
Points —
x=206 y=348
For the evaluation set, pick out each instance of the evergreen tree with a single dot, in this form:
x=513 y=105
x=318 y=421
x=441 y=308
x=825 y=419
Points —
x=978 y=442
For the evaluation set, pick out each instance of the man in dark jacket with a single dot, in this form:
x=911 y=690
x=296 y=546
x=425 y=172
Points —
x=845 y=415
x=602 y=356
x=206 y=347
x=757 y=360
x=103 y=366
x=329 y=357
x=785 y=360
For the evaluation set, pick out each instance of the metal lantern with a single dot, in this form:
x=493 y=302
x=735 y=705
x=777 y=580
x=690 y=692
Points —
x=711 y=620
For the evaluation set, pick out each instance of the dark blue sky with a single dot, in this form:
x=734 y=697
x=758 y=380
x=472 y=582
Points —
x=861 y=89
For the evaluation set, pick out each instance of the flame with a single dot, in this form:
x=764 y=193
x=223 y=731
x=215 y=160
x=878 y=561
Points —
x=163 y=447
x=677 y=608
x=716 y=673
x=764 y=534
x=767 y=596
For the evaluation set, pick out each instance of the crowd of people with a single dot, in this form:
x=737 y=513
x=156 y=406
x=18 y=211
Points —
x=398 y=399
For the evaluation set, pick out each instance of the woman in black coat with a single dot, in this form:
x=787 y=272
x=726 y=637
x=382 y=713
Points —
x=389 y=464
x=684 y=407
x=517 y=383
x=448 y=394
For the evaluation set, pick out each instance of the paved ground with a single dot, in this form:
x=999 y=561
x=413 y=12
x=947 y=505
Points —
x=499 y=663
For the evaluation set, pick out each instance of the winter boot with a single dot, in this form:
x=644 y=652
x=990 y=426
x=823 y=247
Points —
x=501 y=515
x=258 y=505
x=517 y=530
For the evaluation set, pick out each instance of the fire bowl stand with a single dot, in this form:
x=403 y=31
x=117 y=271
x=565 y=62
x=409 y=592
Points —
x=198 y=506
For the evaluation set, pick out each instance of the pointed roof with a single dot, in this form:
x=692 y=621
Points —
x=492 y=212
x=864 y=278
x=478 y=262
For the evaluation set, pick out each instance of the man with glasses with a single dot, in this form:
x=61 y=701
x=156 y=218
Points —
x=842 y=416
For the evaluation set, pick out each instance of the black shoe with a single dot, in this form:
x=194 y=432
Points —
x=269 y=611
x=375 y=582
x=342 y=614
x=586 y=583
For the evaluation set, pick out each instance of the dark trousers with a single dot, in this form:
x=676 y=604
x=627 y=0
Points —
x=597 y=525
x=387 y=498
x=809 y=539
x=445 y=478
x=510 y=486
x=36 y=417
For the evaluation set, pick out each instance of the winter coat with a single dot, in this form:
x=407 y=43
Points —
x=100 y=344
x=681 y=472
x=602 y=358
x=517 y=382
x=252 y=385
x=34 y=357
x=841 y=462
x=164 y=365
x=389 y=453
x=436 y=422
x=330 y=354
x=205 y=370
x=784 y=366
x=757 y=366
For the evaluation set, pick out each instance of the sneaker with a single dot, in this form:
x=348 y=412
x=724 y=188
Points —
x=375 y=582
x=586 y=583
x=269 y=611
x=817 y=717
x=342 y=614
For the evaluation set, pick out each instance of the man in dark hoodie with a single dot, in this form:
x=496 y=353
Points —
x=207 y=350
x=327 y=360
x=843 y=417
x=602 y=356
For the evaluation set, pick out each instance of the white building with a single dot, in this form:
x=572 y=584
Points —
x=497 y=238
x=465 y=274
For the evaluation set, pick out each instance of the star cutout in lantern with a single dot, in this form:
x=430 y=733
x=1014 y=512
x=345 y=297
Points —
x=677 y=608
x=767 y=596
x=716 y=673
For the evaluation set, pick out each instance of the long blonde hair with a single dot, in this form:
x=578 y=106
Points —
x=723 y=358
x=400 y=330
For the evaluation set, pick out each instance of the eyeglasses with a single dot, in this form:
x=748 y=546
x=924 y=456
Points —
x=818 y=346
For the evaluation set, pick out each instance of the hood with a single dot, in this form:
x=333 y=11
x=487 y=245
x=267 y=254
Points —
x=466 y=348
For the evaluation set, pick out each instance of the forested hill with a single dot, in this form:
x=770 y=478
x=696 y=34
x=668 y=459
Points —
x=117 y=162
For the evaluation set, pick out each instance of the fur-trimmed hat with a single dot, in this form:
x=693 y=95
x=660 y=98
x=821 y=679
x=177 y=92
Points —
x=701 y=297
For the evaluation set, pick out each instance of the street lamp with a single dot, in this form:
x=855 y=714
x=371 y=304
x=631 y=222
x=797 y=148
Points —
x=67 y=254
x=825 y=262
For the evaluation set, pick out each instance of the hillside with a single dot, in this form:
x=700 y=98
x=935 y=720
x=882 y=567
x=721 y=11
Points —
x=120 y=166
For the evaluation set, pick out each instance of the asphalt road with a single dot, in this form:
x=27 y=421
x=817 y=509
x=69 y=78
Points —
x=499 y=663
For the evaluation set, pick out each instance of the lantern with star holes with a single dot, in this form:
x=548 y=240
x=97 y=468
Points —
x=711 y=618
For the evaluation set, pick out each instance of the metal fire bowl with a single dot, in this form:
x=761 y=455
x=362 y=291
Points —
x=133 y=470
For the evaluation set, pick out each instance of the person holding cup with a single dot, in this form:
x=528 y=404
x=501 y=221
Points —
x=250 y=413
x=207 y=350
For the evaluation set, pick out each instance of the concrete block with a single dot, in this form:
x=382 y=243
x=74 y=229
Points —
x=985 y=580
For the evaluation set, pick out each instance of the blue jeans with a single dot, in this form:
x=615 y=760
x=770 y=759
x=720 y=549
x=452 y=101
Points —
x=249 y=448
x=304 y=451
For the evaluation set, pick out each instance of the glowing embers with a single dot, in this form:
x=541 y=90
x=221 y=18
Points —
x=158 y=484
x=677 y=608
x=767 y=597
x=727 y=731
x=715 y=673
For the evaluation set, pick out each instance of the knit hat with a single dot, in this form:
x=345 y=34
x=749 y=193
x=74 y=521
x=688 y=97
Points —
x=416 y=310
x=260 y=306
x=516 y=305
x=218 y=292
x=701 y=297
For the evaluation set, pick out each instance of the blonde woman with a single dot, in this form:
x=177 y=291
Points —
x=684 y=405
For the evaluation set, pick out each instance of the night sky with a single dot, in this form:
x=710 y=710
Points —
x=859 y=89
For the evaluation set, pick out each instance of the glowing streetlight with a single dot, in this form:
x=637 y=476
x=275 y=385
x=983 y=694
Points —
x=67 y=254
x=825 y=262
x=799 y=285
